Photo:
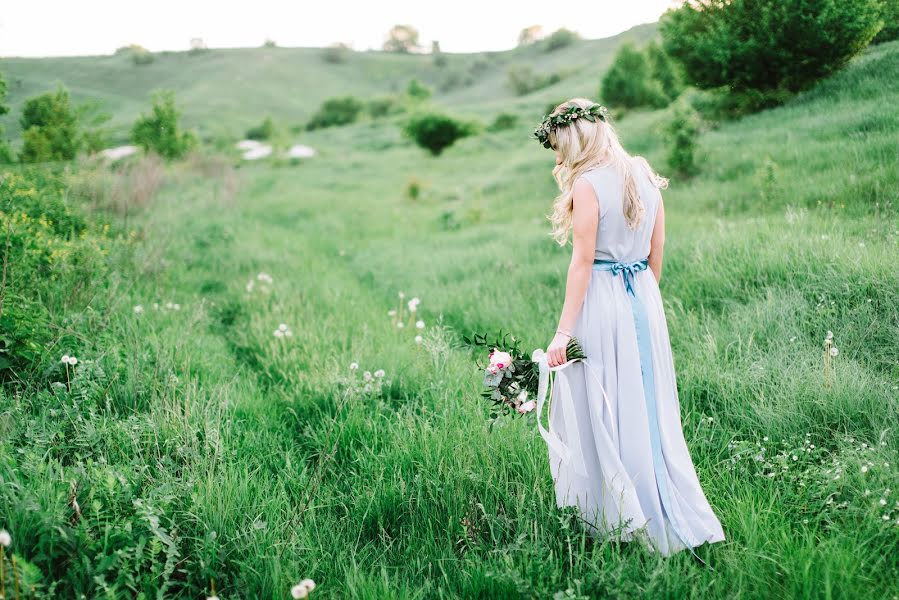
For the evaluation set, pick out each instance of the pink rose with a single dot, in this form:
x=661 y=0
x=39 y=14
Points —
x=526 y=407
x=500 y=360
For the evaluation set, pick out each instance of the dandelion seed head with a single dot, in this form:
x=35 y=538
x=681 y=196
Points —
x=391 y=312
x=864 y=468
x=400 y=325
x=310 y=585
x=279 y=333
x=282 y=327
x=73 y=361
x=883 y=501
x=299 y=591
x=354 y=366
x=64 y=359
x=5 y=538
x=366 y=376
x=138 y=309
x=420 y=324
x=834 y=351
x=418 y=339
x=379 y=373
x=402 y=295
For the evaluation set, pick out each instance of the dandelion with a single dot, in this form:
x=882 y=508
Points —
x=793 y=339
x=829 y=335
x=176 y=306
x=834 y=351
x=169 y=305
x=402 y=295
x=420 y=324
x=279 y=333
x=412 y=306
x=366 y=376
x=156 y=306
x=354 y=366
x=282 y=327
x=391 y=312
x=400 y=325
x=264 y=277
x=5 y=538
x=250 y=285
x=138 y=309
x=379 y=373
x=288 y=333
x=302 y=589
x=418 y=339
x=64 y=359
x=864 y=468
x=795 y=457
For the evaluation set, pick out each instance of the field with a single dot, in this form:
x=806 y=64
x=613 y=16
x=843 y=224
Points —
x=198 y=446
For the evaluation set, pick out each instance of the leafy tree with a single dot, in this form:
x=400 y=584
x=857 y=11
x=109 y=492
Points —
x=767 y=45
x=93 y=120
x=402 y=39
x=664 y=70
x=629 y=84
x=560 y=39
x=159 y=131
x=336 y=111
x=49 y=128
x=417 y=90
x=683 y=131
x=435 y=132
x=5 y=152
x=890 y=17
x=529 y=35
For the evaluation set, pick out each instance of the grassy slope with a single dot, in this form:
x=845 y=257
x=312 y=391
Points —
x=225 y=91
x=789 y=232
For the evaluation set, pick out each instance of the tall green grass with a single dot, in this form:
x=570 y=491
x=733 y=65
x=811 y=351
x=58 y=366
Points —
x=199 y=446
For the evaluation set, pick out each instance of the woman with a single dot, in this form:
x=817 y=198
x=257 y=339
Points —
x=616 y=443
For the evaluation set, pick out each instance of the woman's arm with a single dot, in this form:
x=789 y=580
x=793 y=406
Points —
x=657 y=243
x=585 y=220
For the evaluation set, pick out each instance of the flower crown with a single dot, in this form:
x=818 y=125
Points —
x=591 y=113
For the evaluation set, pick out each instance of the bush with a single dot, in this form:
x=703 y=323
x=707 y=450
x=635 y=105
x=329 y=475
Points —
x=336 y=53
x=560 y=39
x=334 y=112
x=524 y=80
x=890 y=17
x=382 y=106
x=417 y=90
x=435 y=132
x=629 y=84
x=504 y=121
x=264 y=131
x=159 y=131
x=683 y=131
x=49 y=128
x=766 y=45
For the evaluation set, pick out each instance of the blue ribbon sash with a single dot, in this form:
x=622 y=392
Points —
x=641 y=323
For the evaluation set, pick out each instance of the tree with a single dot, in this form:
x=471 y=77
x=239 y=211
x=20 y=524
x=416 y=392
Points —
x=437 y=54
x=664 y=70
x=435 y=132
x=628 y=82
x=336 y=111
x=529 y=35
x=683 y=131
x=49 y=128
x=767 y=45
x=561 y=38
x=159 y=131
x=890 y=17
x=5 y=152
x=402 y=39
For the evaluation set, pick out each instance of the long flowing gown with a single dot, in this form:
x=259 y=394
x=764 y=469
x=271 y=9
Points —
x=617 y=453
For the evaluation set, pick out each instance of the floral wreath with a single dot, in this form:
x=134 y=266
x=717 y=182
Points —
x=567 y=116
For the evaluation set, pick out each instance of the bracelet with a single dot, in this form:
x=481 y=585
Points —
x=563 y=332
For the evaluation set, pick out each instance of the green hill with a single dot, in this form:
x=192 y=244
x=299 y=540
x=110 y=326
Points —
x=224 y=91
x=200 y=446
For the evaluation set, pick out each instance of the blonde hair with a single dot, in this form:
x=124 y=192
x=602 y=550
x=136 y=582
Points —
x=584 y=145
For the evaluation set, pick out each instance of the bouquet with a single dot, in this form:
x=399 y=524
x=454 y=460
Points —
x=511 y=377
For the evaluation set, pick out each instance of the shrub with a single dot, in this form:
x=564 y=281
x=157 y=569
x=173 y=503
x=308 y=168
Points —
x=767 y=45
x=560 y=39
x=402 y=39
x=382 y=106
x=417 y=90
x=159 y=131
x=504 y=121
x=414 y=188
x=334 y=112
x=524 y=80
x=264 y=131
x=436 y=132
x=49 y=128
x=142 y=58
x=628 y=82
x=683 y=131
x=269 y=43
x=890 y=17
x=336 y=53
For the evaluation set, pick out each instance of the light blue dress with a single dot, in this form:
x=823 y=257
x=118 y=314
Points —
x=617 y=453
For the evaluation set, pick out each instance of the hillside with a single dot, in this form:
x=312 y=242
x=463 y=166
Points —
x=199 y=445
x=224 y=91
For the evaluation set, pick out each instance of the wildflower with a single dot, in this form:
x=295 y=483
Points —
x=793 y=339
x=73 y=361
x=883 y=501
x=169 y=305
x=391 y=312
x=367 y=387
x=279 y=333
x=402 y=295
x=765 y=439
x=264 y=277
x=412 y=306
x=834 y=351
x=400 y=325
x=795 y=457
x=886 y=517
x=288 y=333
x=138 y=309
x=250 y=285
x=366 y=376
x=864 y=468
x=212 y=598
x=156 y=306
x=176 y=306
x=5 y=538
x=379 y=373
x=418 y=339
x=354 y=366
x=829 y=335
x=420 y=324
x=64 y=359
x=299 y=591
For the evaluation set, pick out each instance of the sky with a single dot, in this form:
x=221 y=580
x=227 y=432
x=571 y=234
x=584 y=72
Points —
x=89 y=27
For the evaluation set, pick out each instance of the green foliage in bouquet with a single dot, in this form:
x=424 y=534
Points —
x=512 y=383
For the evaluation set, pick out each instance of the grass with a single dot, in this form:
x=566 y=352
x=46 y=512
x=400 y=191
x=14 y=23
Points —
x=199 y=446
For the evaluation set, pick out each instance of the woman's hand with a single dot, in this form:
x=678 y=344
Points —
x=555 y=354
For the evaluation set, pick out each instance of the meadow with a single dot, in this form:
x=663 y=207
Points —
x=191 y=443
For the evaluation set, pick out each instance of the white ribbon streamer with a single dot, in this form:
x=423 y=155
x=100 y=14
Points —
x=553 y=441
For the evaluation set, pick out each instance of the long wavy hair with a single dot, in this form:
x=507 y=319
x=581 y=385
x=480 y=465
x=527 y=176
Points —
x=584 y=145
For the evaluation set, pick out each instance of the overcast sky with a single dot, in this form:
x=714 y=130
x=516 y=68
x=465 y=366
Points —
x=82 y=27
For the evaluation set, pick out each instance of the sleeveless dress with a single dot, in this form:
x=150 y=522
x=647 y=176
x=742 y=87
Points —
x=617 y=453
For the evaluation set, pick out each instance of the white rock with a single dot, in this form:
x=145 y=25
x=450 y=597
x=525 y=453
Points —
x=300 y=151
x=257 y=153
x=118 y=152
x=248 y=144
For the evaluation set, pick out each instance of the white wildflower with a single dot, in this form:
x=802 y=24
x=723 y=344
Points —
x=73 y=361
x=138 y=309
x=366 y=376
x=156 y=306
x=402 y=295
x=250 y=285
x=299 y=591
x=379 y=373
x=282 y=327
x=834 y=351
x=354 y=366
x=829 y=335
x=864 y=468
x=279 y=333
x=420 y=324
x=288 y=333
x=64 y=359
x=400 y=325
x=176 y=306
x=418 y=339
x=5 y=538
x=883 y=501
x=169 y=305
x=310 y=585
x=412 y=306
x=391 y=312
